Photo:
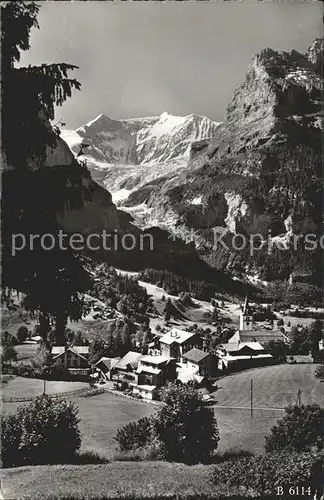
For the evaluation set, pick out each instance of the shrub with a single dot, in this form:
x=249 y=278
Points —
x=300 y=429
x=9 y=354
x=43 y=432
x=134 y=435
x=22 y=334
x=184 y=427
x=278 y=349
x=264 y=474
x=319 y=372
x=10 y=440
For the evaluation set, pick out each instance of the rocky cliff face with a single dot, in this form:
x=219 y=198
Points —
x=261 y=172
x=257 y=172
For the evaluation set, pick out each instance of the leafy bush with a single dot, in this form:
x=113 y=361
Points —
x=43 y=432
x=319 y=372
x=300 y=429
x=185 y=428
x=264 y=474
x=278 y=349
x=134 y=435
x=10 y=440
x=22 y=334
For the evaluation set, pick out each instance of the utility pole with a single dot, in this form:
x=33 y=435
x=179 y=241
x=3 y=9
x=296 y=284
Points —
x=251 y=397
x=44 y=390
x=298 y=401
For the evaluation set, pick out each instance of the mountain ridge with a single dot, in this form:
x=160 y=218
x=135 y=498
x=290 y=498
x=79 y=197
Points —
x=143 y=140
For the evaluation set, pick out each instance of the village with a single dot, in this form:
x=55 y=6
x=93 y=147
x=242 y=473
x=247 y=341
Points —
x=176 y=354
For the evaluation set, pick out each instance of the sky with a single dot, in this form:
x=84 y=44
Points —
x=144 y=58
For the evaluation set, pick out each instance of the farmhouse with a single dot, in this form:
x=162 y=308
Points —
x=106 y=367
x=74 y=358
x=238 y=355
x=153 y=372
x=124 y=370
x=196 y=365
x=176 y=342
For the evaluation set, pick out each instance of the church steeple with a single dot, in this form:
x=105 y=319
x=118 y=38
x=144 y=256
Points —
x=246 y=316
x=246 y=307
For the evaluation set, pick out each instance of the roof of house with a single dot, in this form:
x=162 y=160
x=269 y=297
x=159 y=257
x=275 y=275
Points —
x=262 y=335
x=187 y=375
x=229 y=357
x=131 y=358
x=108 y=362
x=149 y=369
x=155 y=360
x=77 y=349
x=238 y=346
x=195 y=355
x=175 y=335
x=143 y=387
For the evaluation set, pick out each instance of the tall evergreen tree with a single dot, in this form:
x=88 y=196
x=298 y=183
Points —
x=33 y=195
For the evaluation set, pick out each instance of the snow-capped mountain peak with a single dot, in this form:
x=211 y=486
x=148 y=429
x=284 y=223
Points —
x=139 y=141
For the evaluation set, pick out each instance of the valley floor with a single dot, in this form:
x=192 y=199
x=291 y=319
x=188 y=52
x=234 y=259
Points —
x=274 y=388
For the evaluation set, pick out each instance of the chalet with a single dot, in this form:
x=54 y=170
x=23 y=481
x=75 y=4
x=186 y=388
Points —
x=106 y=367
x=75 y=359
x=177 y=342
x=153 y=372
x=196 y=365
x=240 y=355
x=124 y=370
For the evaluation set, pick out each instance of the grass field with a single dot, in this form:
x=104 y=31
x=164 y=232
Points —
x=24 y=387
x=101 y=417
x=274 y=387
x=135 y=480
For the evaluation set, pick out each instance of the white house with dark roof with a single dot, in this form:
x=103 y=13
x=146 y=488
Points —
x=196 y=365
x=153 y=372
x=106 y=366
x=124 y=370
x=175 y=343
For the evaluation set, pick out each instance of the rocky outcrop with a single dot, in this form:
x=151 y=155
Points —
x=262 y=170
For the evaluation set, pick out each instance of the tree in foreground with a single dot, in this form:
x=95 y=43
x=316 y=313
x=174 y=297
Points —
x=44 y=432
x=282 y=474
x=185 y=428
x=301 y=429
x=278 y=349
x=32 y=196
x=319 y=372
x=9 y=354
